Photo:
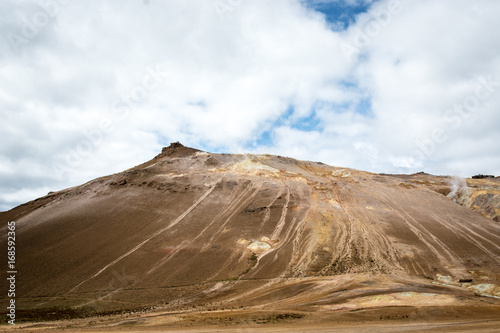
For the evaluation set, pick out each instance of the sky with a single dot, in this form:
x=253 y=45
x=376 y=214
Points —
x=91 y=88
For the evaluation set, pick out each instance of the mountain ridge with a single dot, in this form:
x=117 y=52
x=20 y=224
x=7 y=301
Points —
x=189 y=228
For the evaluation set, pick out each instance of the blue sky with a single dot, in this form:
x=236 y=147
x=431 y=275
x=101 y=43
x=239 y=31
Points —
x=340 y=14
x=394 y=86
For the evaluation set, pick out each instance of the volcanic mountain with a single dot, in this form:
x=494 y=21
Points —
x=193 y=232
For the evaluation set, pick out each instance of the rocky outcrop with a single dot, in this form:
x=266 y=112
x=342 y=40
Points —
x=482 y=176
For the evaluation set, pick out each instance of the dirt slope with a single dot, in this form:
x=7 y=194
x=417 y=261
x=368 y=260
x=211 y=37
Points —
x=481 y=194
x=199 y=231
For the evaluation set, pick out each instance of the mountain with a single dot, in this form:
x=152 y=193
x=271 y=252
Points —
x=479 y=193
x=198 y=232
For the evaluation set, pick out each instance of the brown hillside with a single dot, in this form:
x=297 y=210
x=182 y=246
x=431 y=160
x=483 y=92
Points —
x=193 y=230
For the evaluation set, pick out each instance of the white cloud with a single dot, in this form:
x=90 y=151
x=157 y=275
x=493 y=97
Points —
x=429 y=58
x=224 y=78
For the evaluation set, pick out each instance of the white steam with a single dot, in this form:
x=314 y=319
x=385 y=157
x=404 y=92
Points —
x=459 y=191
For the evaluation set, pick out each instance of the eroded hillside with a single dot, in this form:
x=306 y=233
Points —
x=190 y=229
x=480 y=194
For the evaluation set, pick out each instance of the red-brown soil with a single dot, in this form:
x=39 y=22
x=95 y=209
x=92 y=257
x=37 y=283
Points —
x=192 y=241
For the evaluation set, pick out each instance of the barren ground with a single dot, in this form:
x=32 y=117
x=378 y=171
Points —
x=199 y=242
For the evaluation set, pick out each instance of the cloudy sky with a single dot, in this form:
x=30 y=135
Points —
x=89 y=88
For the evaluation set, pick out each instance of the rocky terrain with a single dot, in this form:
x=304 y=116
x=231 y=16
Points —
x=481 y=194
x=256 y=242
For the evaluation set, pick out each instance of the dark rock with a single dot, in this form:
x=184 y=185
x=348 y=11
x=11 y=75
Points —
x=482 y=176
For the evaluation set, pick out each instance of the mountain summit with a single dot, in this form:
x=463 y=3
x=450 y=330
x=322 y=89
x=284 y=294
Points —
x=254 y=232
